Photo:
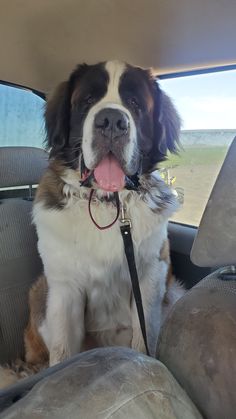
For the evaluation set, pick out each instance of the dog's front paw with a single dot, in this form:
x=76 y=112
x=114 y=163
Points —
x=137 y=341
x=58 y=354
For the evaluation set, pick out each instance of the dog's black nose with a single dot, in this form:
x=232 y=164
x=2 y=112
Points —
x=112 y=123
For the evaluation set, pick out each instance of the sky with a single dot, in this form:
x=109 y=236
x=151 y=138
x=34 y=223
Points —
x=205 y=101
x=21 y=118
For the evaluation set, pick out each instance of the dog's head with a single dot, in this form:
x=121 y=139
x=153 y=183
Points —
x=111 y=119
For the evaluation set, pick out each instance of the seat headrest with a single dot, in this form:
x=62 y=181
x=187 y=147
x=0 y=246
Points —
x=215 y=243
x=21 y=166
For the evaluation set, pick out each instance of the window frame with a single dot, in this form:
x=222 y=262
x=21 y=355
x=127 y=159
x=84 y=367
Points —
x=22 y=87
x=195 y=72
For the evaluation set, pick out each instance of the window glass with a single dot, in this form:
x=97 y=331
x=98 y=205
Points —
x=207 y=106
x=21 y=118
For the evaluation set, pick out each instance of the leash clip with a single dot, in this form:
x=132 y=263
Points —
x=123 y=219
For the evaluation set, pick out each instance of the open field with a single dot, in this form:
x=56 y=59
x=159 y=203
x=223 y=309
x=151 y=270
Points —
x=196 y=170
x=197 y=155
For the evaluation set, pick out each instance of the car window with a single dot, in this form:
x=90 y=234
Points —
x=207 y=106
x=21 y=117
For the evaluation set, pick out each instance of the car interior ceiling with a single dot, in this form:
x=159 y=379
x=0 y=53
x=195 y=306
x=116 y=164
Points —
x=48 y=41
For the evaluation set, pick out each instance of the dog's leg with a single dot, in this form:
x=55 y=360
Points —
x=152 y=286
x=36 y=352
x=64 y=326
x=174 y=292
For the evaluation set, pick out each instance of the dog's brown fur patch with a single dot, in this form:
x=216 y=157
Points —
x=35 y=348
x=50 y=189
x=165 y=256
x=36 y=353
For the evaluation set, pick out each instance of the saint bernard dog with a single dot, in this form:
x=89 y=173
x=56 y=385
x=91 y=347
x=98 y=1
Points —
x=107 y=127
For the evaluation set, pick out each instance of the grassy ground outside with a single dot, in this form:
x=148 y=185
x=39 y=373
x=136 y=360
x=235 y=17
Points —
x=196 y=155
x=195 y=169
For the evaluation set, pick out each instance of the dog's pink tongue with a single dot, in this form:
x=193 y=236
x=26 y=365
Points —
x=109 y=175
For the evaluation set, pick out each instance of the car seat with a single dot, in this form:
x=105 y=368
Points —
x=19 y=260
x=198 y=340
x=102 y=383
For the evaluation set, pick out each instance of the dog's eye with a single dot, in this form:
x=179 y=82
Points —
x=89 y=100
x=134 y=103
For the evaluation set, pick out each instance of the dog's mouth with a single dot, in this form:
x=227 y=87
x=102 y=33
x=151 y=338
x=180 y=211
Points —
x=108 y=175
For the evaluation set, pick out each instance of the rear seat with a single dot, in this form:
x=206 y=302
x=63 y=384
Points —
x=19 y=261
x=101 y=383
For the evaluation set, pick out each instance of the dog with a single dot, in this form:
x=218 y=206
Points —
x=107 y=128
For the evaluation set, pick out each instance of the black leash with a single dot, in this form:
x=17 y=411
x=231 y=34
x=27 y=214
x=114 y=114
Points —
x=129 y=253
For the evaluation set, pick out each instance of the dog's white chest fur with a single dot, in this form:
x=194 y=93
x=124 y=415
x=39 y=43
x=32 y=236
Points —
x=82 y=261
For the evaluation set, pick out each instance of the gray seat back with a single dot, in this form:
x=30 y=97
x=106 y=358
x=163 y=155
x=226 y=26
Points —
x=197 y=344
x=215 y=242
x=19 y=260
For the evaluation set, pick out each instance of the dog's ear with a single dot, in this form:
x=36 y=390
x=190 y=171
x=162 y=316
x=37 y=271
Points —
x=171 y=124
x=167 y=124
x=58 y=111
x=57 y=117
